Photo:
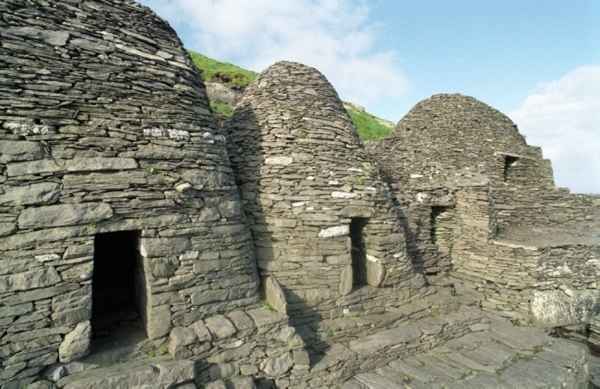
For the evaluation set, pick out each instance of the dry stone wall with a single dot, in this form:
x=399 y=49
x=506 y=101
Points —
x=526 y=246
x=105 y=126
x=323 y=221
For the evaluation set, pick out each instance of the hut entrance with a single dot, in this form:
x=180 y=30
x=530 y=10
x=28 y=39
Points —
x=442 y=228
x=118 y=287
x=359 y=251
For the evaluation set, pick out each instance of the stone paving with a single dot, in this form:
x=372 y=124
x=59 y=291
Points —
x=504 y=356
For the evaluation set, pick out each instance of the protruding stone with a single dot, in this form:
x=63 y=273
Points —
x=346 y=280
x=375 y=273
x=159 y=322
x=274 y=295
x=556 y=308
x=76 y=343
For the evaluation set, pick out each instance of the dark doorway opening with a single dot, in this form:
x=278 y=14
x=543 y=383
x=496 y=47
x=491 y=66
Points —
x=118 y=287
x=509 y=165
x=359 y=251
x=442 y=228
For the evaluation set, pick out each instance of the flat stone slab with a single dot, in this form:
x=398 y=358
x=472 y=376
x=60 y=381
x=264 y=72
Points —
x=160 y=373
x=504 y=356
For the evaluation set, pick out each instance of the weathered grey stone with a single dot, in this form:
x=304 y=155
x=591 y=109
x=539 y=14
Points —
x=203 y=297
x=64 y=215
x=16 y=310
x=159 y=247
x=74 y=165
x=263 y=317
x=331 y=232
x=242 y=383
x=278 y=365
x=375 y=273
x=13 y=151
x=56 y=372
x=7 y=228
x=159 y=321
x=76 y=343
x=38 y=278
x=41 y=385
x=346 y=280
x=241 y=320
x=174 y=372
x=220 y=326
x=43 y=193
x=279 y=160
x=179 y=338
x=274 y=295
x=202 y=332
x=556 y=308
x=163 y=267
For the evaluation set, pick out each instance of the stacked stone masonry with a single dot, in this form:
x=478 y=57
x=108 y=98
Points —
x=144 y=246
x=531 y=250
x=322 y=219
x=105 y=126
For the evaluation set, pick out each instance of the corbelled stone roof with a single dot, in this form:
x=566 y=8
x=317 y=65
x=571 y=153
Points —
x=448 y=137
x=104 y=127
x=304 y=175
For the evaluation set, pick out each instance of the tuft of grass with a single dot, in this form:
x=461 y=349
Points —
x=367 y=125
x=221 y=108
x=225 y=73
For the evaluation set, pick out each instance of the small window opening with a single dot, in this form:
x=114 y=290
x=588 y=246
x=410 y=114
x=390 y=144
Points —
x=118 y=288
x=509 y=165
x=359 y=252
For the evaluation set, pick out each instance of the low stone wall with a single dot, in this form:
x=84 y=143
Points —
x=550 y=286
x=256 y=343
x=540 y=207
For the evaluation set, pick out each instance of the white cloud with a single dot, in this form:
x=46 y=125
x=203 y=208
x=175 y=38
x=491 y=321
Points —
x=563 y=117
x=335 y=36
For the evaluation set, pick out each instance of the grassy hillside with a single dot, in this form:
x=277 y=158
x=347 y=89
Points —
x=369 y=127
x=225 y=73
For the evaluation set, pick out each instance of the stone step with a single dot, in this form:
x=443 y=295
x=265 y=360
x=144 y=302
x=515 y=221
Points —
x=504 y=356
x=154 y=373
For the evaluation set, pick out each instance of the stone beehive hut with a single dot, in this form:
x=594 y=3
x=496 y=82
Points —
x=481 y=204
x=445 y=142
x=449 y=136
x=115 y=187
x=323 y=221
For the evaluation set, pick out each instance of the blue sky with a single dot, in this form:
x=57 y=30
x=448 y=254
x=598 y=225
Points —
x=537 y=61
x=498 y=51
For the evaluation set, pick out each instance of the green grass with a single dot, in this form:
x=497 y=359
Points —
x=221 y=108
x=225 y=73
x=367 y=125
